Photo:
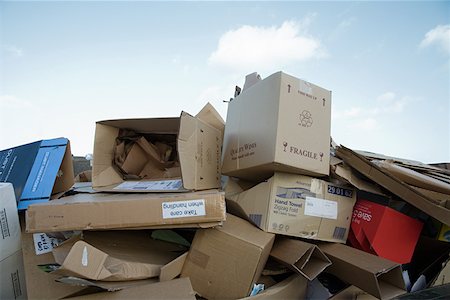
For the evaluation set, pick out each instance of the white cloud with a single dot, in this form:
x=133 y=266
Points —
x=13 y=102
x=14 y=51
x=367 y=124
x=253 y=47
x=438 y=36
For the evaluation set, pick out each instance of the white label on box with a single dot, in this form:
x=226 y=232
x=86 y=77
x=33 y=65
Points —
x=160 y=185
x=322 y=208
x=183 y=209
x=43 y=243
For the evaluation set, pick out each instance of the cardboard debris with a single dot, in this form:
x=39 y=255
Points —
x=377 y=276
x=110 y=286
x=383 y=231
x=394 y=185
x=174 y=289
x=198 y=148
x=37 y=170
x=303 y=258
x=300 y=206
x=293 y=287
x=353 y=293
x=114 y=256
x=225 y=262
x=295 y=134
x=87 y=211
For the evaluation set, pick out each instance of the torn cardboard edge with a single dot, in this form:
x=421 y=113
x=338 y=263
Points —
x=394 y=185
x=377 y=276
x=303 y=258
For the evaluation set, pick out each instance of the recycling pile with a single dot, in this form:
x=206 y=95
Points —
x=264 y=206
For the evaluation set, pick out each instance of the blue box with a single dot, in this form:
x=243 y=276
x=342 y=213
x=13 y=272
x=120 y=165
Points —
x=37 y=170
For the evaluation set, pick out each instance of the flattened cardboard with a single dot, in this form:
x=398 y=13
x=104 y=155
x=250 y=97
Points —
x=37 y=170
x=377 y=276
x=12 y=277
x=9 y=222
x=294 y=136
x=174 y=289
x=225 y=262
x=126 y=211
x=394 y=185
x=114 y=256
x=300 y=206
x=110 y=286
x=383 y=231
x=293 y=287
x=199 y=142
x=303 y=258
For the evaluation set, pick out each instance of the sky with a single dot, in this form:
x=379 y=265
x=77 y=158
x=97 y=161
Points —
x=66 y=65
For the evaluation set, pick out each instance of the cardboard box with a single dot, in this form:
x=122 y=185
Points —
x=114 y=256
x=37 y=170
x=119 y=211
x=303 y=258
x=393 y=184
x=383 y=231
x=300 y=206
x=293 y=287
x=174 y=289
x=198 y=140
x=9 y=222
x=377 y=276
x=12 y=277
x=354 y=293
x=279 y=124
x=225 y=262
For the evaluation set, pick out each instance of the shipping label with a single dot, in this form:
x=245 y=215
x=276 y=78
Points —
x=321 y=208
x=183 y=209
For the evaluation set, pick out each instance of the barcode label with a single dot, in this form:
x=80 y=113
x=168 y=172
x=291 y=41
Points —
x=339 y=233
x=162 y=185
x=15 y=279
x=43 y=243
x=256 y=218
x=4 y=224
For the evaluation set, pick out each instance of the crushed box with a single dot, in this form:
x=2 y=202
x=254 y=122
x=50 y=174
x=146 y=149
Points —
x=37 y=170
x=198 y=150
x=281 y=123
x=298 y=205
x=225 y=262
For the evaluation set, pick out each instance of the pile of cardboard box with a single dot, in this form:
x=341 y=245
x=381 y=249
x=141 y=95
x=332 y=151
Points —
x=265 y=206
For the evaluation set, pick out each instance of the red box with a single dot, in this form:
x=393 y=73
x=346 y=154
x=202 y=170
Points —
x=383 y=231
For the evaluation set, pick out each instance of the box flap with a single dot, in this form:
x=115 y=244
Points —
x=293 y=287
x=173 y=268
x=304 y=258
x=210 y=116
x=394 y=185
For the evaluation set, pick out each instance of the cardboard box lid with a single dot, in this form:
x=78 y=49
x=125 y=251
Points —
x=293 y=287
x=87 y=211
x=114 y=256
x=387 y=232
x=9 y=222
x=174 y=289
x=377 y=276
x=394 y=185
x=304 y=258
x=238 y=249
x=34 y=170
x=199 y=141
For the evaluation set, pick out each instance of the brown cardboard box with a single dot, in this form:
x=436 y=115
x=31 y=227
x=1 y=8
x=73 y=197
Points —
x=300 y=206
x=293 y=287
x=304 y=258
x=353 y=293
x=174 y=289
x=225 y=262
x=114 y=255
x=377 y=276
x=118 y=211
x=279 y=124
x=199 y=141
x=393 y=184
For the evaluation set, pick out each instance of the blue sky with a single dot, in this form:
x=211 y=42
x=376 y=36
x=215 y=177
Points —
x=64 y=66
